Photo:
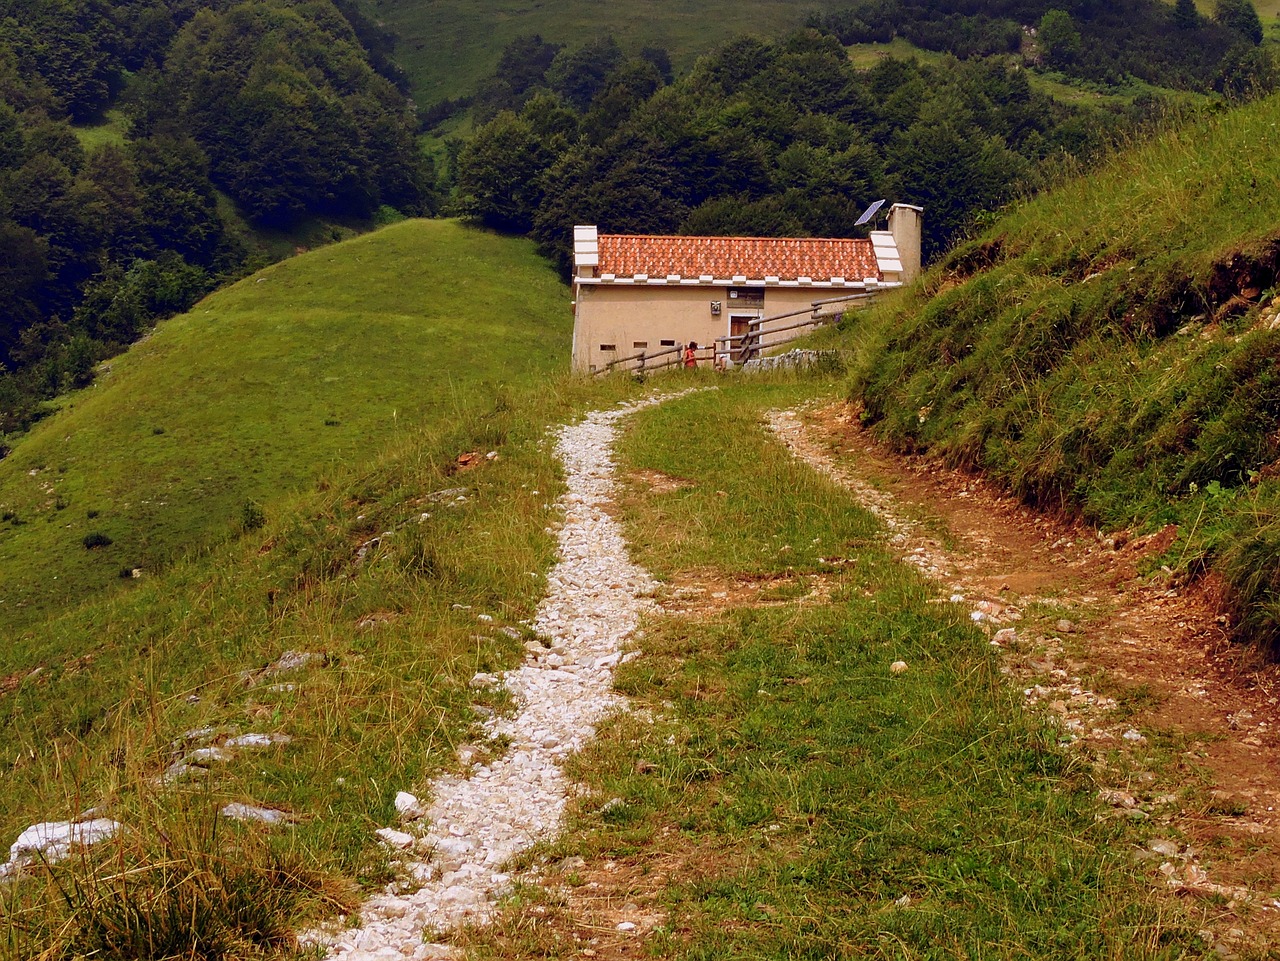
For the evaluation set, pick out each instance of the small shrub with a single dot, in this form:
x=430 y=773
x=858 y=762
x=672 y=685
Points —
x=91 y=514
x=157 y=430
x=95 y=540
x=387 y=215
x=252 y=516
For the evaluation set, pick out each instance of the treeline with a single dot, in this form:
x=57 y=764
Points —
x=760 y=138
x=286 y=109
x=1108 y=41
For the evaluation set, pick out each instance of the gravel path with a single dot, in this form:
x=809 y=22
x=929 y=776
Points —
x=476 y=823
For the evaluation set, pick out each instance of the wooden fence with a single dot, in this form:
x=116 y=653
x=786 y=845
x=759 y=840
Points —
x=762 y=334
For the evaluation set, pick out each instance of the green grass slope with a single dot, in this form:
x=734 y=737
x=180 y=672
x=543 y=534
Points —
x=262 y=388
x=335 y=391
x=1111 y=347
x=449 y=46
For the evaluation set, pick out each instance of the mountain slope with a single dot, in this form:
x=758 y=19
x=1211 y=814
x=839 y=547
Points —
x=261 y=389
x=1112 y=347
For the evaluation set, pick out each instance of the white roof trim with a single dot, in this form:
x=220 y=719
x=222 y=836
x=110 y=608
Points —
x=869 y=283
x=586 y=246
x=885 y=249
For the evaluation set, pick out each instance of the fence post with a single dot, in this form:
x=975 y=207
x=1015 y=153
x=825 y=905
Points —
x=641 y=367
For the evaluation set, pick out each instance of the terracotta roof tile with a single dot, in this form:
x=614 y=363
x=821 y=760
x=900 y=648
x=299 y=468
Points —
x=756 y=258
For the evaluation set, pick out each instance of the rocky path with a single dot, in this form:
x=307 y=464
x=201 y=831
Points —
x=454 y=852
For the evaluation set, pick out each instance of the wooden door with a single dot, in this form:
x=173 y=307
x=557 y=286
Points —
x=738 y=325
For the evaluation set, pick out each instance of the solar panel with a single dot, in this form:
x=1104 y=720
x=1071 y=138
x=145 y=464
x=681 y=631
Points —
x=869 y=213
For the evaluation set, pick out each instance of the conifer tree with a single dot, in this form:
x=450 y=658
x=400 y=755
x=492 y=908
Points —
x=1240 y=16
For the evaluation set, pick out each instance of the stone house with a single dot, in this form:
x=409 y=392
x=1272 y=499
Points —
x=635 y=293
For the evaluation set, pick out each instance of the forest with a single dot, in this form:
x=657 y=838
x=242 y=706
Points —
x=789 y=137
x=763 y=138
x=281 y=109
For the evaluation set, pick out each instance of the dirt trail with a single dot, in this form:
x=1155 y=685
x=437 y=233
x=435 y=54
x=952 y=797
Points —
x=1081 y=609
x=1181 y=726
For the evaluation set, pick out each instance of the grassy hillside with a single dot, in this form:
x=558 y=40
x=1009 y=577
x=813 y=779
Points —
x=448 y=46
x=335 y=393
x=265 y=386
x=1111 y=347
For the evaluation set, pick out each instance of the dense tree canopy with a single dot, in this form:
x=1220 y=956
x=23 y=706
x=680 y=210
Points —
x=292 y=115
x=1239 y=16
x=765 y=138
x=289 y=108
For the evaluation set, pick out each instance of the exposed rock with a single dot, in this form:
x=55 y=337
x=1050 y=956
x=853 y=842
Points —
x=407 y=805
x=257 y=740
x=448 y=494
x=293 y=661
x=247 y=812
x=54 y=840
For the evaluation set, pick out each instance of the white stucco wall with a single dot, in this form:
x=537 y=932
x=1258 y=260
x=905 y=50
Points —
x=627 y=314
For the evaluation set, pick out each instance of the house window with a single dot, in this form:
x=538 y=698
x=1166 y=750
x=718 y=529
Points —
x=608 y=346
x=639 y=344
x=666 y=343
x=746 y=296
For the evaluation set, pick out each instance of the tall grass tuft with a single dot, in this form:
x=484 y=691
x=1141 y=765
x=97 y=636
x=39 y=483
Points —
x=187 y=885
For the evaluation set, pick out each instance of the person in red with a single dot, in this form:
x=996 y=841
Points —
x=691 y=355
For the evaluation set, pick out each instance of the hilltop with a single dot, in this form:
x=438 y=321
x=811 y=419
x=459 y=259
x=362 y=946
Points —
x=307 y=367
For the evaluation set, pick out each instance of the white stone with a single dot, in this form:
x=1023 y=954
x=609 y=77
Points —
x=54 y=840
x=396 y=839
x=407 y=804
x=247 y=812
x=258 y=740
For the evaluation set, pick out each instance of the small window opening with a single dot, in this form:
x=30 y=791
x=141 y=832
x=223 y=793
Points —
x=666 y=343
x=639 y=344
x=608 y=346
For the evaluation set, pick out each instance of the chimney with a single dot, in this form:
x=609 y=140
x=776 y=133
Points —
x=906 y=223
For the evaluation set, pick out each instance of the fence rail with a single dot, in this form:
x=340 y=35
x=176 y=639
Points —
x=737 y=349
